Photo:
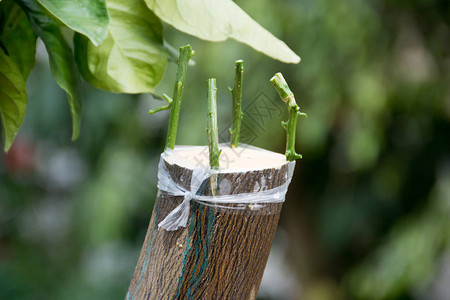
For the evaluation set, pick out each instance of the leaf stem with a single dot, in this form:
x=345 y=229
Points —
x=290 y=125
x=236 y=93
x=213 y=136
x=165 y=107
x=186 y=53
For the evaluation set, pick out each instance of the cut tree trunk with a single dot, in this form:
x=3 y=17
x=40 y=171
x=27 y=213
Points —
x=223 y=250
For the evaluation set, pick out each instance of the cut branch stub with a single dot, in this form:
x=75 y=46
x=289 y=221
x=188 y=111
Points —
x=223 y=250
x=174 y=104
x=212 y=131
x=186 y=53
x=290 y=125
x=236 y=93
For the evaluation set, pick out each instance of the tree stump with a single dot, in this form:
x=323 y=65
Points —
x=223 y=250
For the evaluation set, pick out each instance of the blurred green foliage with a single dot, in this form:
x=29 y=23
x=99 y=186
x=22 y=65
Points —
x=367 y=214
x=116 y=46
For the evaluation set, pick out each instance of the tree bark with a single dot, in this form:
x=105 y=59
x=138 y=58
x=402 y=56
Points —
x=222 y=252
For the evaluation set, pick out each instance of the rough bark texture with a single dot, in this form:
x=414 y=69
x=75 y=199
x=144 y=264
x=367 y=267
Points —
x=222 y=252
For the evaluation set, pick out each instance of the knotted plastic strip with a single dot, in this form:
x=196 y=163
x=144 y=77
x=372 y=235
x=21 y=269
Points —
x=179 y=216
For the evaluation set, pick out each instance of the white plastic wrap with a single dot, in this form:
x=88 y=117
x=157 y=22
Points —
x=179 y=216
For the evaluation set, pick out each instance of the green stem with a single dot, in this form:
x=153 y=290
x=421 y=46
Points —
x=186 y=53
x=213 y=136
x=236 y=93
x=165 y=107
x=287 y=96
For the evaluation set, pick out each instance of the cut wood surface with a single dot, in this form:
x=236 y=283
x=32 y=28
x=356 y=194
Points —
x=222 y=252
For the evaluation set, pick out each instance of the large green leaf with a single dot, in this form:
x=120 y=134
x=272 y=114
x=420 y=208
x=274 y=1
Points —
x=62 y=62
x=84 y=16
x=132 y=58
x=13 y=98
x=17 y=38
x=217 y=20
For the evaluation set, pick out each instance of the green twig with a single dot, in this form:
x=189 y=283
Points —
x=236 y=93
x=186 y=53
x=294 y=111
x=169 y=104
x=213 y=137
